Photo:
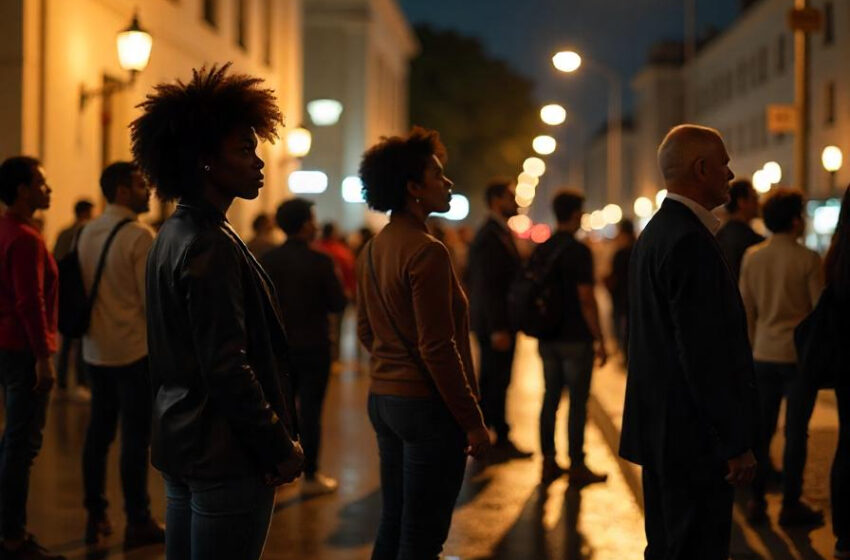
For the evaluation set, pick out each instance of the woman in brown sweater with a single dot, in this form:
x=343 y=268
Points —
x=412 y=317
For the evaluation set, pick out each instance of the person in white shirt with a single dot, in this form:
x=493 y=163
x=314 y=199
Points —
x=115 y=352
x=781 y=281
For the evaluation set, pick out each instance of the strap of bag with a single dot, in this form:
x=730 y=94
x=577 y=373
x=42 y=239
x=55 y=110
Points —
x=552 y=261
x=101 y=263
x=414 y=355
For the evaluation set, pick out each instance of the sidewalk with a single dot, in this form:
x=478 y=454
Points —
x=769 y=542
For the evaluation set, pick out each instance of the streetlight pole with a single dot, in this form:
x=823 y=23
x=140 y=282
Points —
x=801 y=96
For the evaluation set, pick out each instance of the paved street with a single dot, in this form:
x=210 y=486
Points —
x=502 y=514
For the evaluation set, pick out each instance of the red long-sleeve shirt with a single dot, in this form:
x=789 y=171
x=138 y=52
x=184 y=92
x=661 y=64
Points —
x=29 y=290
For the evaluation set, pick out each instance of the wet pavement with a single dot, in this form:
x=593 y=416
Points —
x=502 y=513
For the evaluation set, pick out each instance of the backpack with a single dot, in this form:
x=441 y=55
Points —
x=536 y=296
x=74 y=304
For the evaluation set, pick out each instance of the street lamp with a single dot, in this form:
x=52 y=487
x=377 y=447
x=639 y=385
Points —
x=553 y=114
x=570 y=61
x=832 y=160
x=534 y=166
x=773 y=171
x=544 y=145
x=324 y=112
x=761 y=181
x=134 y=46
x=298 y=142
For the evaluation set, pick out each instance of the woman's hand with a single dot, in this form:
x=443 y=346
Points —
x=289 y=469
x=479 y=442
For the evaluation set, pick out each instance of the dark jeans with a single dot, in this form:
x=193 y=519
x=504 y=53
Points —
x=494 y=381
x=775 y=381
x=422 y=465
x=26 y=412
x=310 y=372
x=217 y=519
x=565 y=365
x=125 y=392
x=71 y=347
x=687 y=519
x=840 y=477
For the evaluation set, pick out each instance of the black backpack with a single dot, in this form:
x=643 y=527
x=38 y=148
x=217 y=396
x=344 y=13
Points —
x=536 y=296
x=74 y=305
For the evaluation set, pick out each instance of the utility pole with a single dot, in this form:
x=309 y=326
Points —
x=802 y=102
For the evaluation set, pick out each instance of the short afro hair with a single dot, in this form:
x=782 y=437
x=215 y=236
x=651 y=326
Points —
x=388 y=166
x=293 y=214
x=780 y=208
x=185 y=122
x=14 y=172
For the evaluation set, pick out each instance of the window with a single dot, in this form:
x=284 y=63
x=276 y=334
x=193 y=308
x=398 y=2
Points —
x=828 y=24
x=829 y=104
x=762 y=65
x=781 y=54
x=242 y=23
x=268 y=16
x=211 y=12
x=742 y=76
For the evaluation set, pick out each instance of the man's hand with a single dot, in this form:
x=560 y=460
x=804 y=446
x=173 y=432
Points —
x=44 y=375
x=501 y=341
x=289 y=469
x=600 y=352
x=479 y=442
x=742 y=469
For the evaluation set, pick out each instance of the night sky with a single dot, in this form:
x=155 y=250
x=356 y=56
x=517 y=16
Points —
x=617 y=33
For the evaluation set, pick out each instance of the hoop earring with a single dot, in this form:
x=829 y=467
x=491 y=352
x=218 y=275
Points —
x=207 y=168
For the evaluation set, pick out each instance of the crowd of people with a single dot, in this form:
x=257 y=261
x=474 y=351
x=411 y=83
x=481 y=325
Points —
x=215 y=354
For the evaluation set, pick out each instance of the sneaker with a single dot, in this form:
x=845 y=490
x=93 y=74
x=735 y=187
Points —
x=582 y=476
x=318 y=484
x=551 y=471
x=144 y=533
x=756 y=512
x=97 y=526
x=842 y=549
x=29 y=550
x=504 y=450
x=800 y=514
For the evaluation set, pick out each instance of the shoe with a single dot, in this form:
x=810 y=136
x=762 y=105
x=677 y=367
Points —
x=756 y=512
x=551 y=471
x=842 y=549
x=29 y=550
x=97 y=526
x=318 y=484
x=582 y=476
x=800 y=514
x=144 y=533
x=505 y=450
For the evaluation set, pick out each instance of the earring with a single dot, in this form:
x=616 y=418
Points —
x=207 y=168
x=418 y=200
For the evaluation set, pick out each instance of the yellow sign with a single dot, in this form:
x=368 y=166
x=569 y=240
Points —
x=805 y=19
x=781 y=118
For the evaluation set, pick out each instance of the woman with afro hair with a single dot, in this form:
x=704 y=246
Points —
x=224 y=433
x=413 y=319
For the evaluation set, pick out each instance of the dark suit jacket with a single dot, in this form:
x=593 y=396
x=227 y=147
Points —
x=308 y=290
x=690 y=396
x=493 y=264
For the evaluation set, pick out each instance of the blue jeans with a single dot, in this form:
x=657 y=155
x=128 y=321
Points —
x=775 y=381
x=422 y=465
x=565 y=365
x=26 y=413
x=217 y=519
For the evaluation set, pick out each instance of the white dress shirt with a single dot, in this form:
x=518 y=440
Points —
x=117 y=334
x=709 y=220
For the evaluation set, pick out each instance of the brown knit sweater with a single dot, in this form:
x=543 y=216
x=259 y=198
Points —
x=427 y=304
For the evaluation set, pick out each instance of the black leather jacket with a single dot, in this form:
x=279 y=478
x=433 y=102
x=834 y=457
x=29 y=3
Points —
x=222 y=398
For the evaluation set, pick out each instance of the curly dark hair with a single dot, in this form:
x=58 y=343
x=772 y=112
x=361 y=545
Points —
x=780 y=208
x=388 y=166
x=184 y=122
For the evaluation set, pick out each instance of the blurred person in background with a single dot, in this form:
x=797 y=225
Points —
x=29 y=301
x=412 y=317
x=736 y=235
x=263 y=240
x=308 y=291
x=70 y=347
x=617 y=283
x=331 y=242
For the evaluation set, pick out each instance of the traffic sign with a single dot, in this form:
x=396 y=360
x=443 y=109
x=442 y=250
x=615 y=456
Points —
x=781 y=118
x=808 y=20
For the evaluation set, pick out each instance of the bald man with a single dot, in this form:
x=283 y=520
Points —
x=691 y=408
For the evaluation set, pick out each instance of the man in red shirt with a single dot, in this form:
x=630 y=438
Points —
x=28 y=321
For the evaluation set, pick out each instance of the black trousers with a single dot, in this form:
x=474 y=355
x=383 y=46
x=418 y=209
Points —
x=493 y=382
x=311 y=370
x=840 y=477
x=119 y=392
x=687 y=518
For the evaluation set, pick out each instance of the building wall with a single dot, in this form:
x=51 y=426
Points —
x=357 y=52
x=78 y=49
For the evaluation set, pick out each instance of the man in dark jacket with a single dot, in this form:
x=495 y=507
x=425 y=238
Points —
x=308 y=291
x=691 y=408
x=493 y=264
x=736 y=235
